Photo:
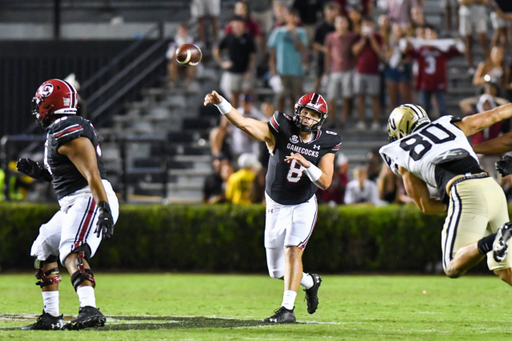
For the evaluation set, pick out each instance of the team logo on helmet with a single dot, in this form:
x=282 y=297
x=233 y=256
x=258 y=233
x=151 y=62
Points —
x=314 y=102
x=45 y=90
x=405 y=119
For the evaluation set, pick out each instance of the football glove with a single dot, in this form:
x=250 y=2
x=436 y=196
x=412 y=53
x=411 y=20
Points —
x=105 y=221
x=33 y=169
x=504 y=166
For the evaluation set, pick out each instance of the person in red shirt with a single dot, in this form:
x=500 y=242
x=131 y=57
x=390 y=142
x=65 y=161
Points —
x=432 y=56
x=367 y=79
x=339 y=66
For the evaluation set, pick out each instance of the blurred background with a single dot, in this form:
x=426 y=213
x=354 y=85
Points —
x=161 y=145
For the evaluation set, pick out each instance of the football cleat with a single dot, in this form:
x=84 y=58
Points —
x=500 y=246
x=88 y=317
x=46 y=321
x=281 y=315
x=312 y=294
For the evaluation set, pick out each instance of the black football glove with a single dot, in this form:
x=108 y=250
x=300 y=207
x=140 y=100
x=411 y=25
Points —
x=33 y=169
x=105 y=221
x=504 y=166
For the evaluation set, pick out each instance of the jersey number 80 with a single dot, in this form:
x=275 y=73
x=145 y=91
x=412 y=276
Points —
x=410 y=143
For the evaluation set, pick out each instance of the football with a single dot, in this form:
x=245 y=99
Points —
x=188 y=54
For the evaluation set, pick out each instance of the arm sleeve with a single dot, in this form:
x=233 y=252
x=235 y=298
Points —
x=337 y=144
x=274 y=124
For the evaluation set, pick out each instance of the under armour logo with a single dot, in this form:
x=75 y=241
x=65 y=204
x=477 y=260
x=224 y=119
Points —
x=316 y=147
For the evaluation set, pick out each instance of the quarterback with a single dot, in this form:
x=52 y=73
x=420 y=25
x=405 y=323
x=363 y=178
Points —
x=73 y=163
x=438 y=154
x=302 y=159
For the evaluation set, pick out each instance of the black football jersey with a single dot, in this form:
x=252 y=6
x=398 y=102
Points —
x=66 y=177
x=286 y=183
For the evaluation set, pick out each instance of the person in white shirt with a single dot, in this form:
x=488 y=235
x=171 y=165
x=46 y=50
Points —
x=362 y=190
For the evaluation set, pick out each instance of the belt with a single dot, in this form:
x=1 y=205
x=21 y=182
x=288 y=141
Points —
x=463 y=177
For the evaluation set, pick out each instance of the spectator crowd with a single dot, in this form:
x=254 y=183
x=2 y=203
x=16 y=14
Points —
x=365 y=56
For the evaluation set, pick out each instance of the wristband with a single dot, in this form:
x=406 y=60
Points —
x=224 y=106
x=313 y=172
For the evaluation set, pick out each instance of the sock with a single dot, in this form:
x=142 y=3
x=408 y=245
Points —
x=485 y=244
x=307 y=281
x=86 y=296
x=51 y=302
x=289 y=299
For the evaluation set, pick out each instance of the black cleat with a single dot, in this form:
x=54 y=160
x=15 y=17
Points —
x=281 y=315
x=500 y=247
x=88 y=317
x=46 y=321
x=312 y=294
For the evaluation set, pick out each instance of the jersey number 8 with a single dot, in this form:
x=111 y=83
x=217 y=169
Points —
x=295 y=173
x=410 y=143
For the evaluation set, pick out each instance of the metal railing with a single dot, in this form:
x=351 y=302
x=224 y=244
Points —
x=7 y=144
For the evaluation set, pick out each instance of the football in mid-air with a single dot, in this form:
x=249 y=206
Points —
x=188 y=54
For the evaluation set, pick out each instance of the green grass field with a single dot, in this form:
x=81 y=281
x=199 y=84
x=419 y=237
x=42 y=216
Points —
x=230 y=307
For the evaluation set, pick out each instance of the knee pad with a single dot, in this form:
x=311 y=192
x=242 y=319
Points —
x=42 y=276
x=82 y=274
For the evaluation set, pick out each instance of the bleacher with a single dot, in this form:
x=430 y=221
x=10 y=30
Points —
x=173 y=119
x=174 y=113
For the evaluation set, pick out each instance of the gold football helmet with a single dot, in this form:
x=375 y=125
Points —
x=405 y=119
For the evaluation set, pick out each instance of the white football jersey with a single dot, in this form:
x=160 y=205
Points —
x=420 y=151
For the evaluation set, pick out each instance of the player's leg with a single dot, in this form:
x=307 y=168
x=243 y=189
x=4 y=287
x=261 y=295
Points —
x=276 y=220
x=45 y=248
x=499 y=261
x=296 y=239
x=78 y=244
x=466 y=239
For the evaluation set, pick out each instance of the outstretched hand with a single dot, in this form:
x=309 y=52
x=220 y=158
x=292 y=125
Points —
x=213 y=98
x=301 y=160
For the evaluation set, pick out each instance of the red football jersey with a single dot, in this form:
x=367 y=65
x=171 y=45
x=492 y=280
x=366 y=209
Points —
x=432 y=66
